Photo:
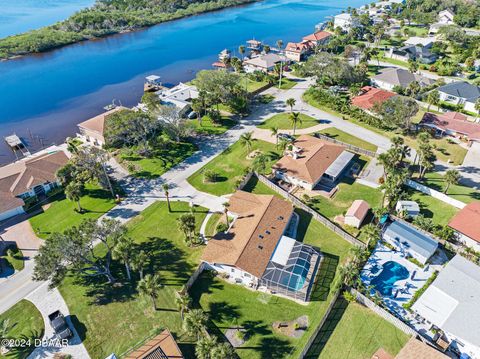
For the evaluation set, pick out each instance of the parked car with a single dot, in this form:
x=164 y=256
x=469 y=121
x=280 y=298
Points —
x=286 y=137
x=192 y=115
x=59 y=325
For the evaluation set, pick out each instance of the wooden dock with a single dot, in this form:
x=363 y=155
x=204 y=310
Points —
x=16 y=144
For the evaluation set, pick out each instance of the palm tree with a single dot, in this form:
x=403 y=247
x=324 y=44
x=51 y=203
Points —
x=123 y=250
x=165 y=187
x=279 y=44
x=451 y=177
x=370 y=234
x=138 y=262
x=186 y=223
x=413 y=66
x=247 y=140
x=194 y=322
x=4 y=327
x=274 y=132
x=433 y=98
x=223 y=351
x=205 y=347
x=183 y=302
x=266 y=49
x=241 y=50
x=74 y=192
x=149 y=286
x=225 y=211
x=359 y=254
x=295 y=118
x=291 y=102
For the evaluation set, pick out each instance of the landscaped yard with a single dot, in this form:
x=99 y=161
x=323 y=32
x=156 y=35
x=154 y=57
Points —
x=15 y=260
x=60 y=213
x=282 y=122
x=208 y=127
x=286 y=84
x=459 y=192
x=24 y=322
x=229 y=167
x=115 y=319
x=163 y=158
x=440 y=212
x=355 y=332
x=211 y=226
x=231 y=305
x=347 y=138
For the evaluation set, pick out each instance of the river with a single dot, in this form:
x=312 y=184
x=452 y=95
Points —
x=43 y=97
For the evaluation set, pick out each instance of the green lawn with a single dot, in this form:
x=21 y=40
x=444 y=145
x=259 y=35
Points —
x=440 y=212
x=347 y=138
x=208 y=127
x=282 y=122
x=232 y=305
x=163 y=159
x=257 y=187
x=355 y=332
x=213 y=221
x=416 y=30
x=25 y=322
x=61 y=215
x=229 y=166
x=459 y=192
x=114 y=319
x=286 y=84
x=252 y=85
x=16 y=260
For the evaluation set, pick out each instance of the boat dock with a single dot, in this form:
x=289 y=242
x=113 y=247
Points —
x=16 y=144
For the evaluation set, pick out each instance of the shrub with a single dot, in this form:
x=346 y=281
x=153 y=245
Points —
x=210 y=176
x=221 y=227
x=419 y=292
x=349 y=297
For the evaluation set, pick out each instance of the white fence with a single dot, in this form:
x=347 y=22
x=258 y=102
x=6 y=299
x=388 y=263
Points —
x=435 y=194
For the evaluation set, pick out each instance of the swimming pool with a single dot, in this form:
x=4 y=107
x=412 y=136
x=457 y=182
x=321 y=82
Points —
x=391 y=273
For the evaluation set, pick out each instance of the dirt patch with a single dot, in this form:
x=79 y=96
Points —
x=294 y=328
x=236 y=336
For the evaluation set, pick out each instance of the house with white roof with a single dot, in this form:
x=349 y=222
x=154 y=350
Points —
x=345 y=21
x=410 y=208
x=450 y=304
x=446 y=17
x=265 y=63
x=180 y=96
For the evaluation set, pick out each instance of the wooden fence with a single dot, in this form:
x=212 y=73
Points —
x=358 y=150
x=317 y=216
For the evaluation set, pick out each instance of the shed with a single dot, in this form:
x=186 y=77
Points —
x=356 y=213
x=410 y=208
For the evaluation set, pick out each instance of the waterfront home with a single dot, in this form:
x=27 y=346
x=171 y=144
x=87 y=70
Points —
x=25 y=181
x=356 y=213
x=258 y=250
x=450 y=306
x=409 y=209
x=453 y=124
x=415 y=48
x=345 y=21
x=162 y=346
x=390 y=78
x=410 y=241
x=370 y=97
x=466 y=225
x=297 y=51
x=318 y=38
x=460 y=93
x=311 y=161
x=265 y=63
x=92 y=130
x=180 y=96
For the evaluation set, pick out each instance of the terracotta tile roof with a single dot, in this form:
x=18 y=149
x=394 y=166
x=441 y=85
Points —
x=415 y=349
x=315 y=158
x=251 y=240
x=163 y=346
x=382 y=354
x=358 y=209
x=317 y=36
x=467 y=221
x=297 y=47
x=370 y=96
x=21 y=176
x=453 y=121
x=97 y=123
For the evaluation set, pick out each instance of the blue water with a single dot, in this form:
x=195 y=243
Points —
x=47 y=95
x=392 y=272
x=18 y=16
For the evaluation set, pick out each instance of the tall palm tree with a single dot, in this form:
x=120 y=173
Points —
x=73 y=192
x=150 y=286
x=138 y=262
x=274 y=132
x=225 y=211
x=183 y=302
x=205 y=347
x=123 y=251
x=194 y=322
x=370 y=234
x=247 y=140
x=279 y=44
x=166 y=187
x=241 y=50
x=223 y=351
x=451 y=177
x=186 y=223
x=291 y=102
x=433 y=98
x=295 y=119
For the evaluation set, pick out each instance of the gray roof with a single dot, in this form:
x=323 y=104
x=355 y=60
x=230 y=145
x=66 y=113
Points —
x=461 y=89
x=413 y=238
x=452 y=301
x=402 y=77
x=337 y=167
x=416 y=51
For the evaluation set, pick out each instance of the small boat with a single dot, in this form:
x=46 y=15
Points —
x=112 y=106
x=152 y=83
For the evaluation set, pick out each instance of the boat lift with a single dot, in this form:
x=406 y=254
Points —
x=16 y=144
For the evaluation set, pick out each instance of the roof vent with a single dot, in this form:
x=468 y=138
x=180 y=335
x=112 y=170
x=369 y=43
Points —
x=260 y=247
x=280 y=218
x=267 y=232
x=260 y=236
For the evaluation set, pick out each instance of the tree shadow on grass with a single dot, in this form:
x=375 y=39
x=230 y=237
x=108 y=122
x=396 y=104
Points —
x=305 y=219
x=274 y=348
x=325 y=277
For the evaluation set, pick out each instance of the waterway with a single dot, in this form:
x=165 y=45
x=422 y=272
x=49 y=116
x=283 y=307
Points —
x=43 y=97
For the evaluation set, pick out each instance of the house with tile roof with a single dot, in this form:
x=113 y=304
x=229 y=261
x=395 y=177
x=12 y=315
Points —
x=27 y=179
x=92 y=130
x=390 y=78
x=453 y=124
x=370 y=96
x=466 y=224
x=311 y=161
x=258 y=250
x=297 y=51
x=460 y=93
x=450 y=305
x=162 y=346
x=318 y=38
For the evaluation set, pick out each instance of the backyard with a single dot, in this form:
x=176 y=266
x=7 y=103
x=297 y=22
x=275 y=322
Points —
x=440 y=212
x=355 y=332
x=24 y=322
x=113 y=319
x=462 y=193
x=229 y=167
x=59 y=214
x=282 y=122
x=347 y=138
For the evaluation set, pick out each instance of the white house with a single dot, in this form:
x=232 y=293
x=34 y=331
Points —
x=356 y=213
x=28 y=179
x=265 y=63
x=450 y=304
x=345 y=21
x=180 y=96
x=92 y=130
x=460 y=93
x=410 y=208
x=446 y=17
x=466 y=224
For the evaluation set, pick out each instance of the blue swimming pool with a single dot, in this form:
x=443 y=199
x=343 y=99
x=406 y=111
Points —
x=391 y=273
